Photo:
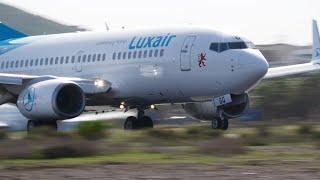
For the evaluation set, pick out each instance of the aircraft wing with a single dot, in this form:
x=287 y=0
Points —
x=314 y=65
x=292 y=70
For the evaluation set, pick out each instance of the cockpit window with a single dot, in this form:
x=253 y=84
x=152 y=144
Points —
x=224 y=46
x=214 y=47
x=237 y=45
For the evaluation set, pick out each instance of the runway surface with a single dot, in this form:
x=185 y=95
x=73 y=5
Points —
x=280 y=170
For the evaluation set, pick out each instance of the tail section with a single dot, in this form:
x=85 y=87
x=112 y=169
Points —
x=9 y=33
x=316 y=41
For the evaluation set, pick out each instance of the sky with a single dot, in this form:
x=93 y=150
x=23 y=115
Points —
x=262 y=21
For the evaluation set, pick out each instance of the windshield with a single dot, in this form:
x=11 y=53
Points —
x=224 y=46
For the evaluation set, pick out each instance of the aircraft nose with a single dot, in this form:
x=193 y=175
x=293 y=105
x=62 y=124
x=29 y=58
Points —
x=257 y=62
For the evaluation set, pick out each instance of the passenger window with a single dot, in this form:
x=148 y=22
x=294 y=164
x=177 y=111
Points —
x=134 y=54
x=36 y=62
x=79 y=59
x=67 y=60
x=17 y=64
x=156 y=53
x=119 y=55
x=145 y=54
x=73 y=59
x=2 y=64
x=223 y=47
x=214 y=47
x=129 y=55
x=162 y=52
x=31 y=62
x=11 y=64
x=114 y=56
x=21 y=63
x=47 y=61
x=94 y=58
x=57 y=60
x=84 y=58
x=7 y=64
x=99 y=57
x=150 y=53
x=41 y=61
x=124 y=56
x=103 y=57
x=89 y=58
x=51 y=60
x=61 y=60
x=27 y=63
x=140 y=54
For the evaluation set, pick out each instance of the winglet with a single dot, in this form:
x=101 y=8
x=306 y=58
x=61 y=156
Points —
x=316 y=41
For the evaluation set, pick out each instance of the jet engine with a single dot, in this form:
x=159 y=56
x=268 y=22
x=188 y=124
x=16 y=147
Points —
x=51 y=100
x=208 y=111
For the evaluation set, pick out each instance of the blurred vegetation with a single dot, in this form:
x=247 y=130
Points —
x=3 y=134
x=196 y=143
x=289 y=99
x=93 y=130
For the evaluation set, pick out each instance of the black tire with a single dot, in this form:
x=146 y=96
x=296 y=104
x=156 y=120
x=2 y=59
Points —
x=225 y=124
x=216 y=123
x=130 y=123
x=31 y=125
x=147 y=122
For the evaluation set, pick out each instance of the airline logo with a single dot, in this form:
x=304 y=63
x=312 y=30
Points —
x=151 y=41
x=6 y=46
x=202 y=59
x=317 y=52
x=28 y=99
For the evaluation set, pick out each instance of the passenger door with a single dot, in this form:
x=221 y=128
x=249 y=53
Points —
x=186 y=53
x=78 y=61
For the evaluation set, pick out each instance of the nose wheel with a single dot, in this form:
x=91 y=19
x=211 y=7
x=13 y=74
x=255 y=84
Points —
x=220 y=123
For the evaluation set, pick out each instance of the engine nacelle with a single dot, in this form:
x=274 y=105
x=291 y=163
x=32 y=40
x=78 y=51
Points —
x=51 y=100
x=208 y=111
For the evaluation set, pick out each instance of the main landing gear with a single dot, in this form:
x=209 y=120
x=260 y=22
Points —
x=139 y=122
x=33 y=124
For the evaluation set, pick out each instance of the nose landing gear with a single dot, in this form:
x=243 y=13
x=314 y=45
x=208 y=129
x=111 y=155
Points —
x=139 y=122
x=220 y=122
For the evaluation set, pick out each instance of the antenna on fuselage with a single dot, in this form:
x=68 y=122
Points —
x=107 y=26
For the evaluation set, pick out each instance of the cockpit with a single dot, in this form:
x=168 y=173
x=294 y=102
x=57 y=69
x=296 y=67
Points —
x=224 y=46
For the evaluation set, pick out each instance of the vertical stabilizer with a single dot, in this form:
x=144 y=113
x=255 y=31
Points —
x=7 y=32
x=315 y=41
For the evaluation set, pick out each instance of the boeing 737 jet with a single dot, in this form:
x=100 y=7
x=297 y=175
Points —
x=54 y=77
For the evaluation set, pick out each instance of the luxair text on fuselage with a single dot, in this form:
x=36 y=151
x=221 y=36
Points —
x=151 y=41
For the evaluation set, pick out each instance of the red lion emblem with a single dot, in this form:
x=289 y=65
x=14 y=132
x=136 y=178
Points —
x=201 y=59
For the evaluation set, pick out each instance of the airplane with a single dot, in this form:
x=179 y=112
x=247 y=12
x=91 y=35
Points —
x=54 y=77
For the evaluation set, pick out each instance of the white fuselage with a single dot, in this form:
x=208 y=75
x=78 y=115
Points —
x=166 y=65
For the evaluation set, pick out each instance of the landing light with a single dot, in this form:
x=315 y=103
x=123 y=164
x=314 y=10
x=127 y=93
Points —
x=99 y=83
x=153 y=106
x=122 y=106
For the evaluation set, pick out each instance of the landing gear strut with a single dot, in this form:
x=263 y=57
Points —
x=139 y=122
x=32 y=124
